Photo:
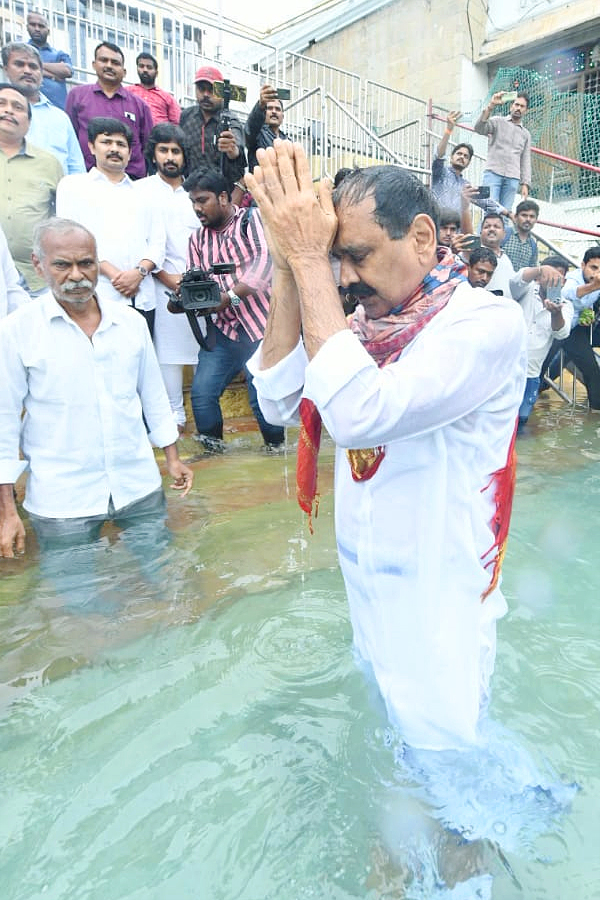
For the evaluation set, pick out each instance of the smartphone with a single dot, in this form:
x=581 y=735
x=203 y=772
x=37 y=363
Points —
x=553 y=293
x=483 y=192
x=509 y=96
x=284 y=93
x=471 y=242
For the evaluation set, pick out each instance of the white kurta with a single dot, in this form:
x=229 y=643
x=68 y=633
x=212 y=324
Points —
x=125 y=228
x=175 y=344
x=538 y=321
x=412 y=540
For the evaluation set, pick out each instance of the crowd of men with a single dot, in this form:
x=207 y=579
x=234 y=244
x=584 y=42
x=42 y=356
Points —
x=163 y=190
x=90 y=155
x=114 y=159
x=559 y=302
x=421 y=386
x=110 y=195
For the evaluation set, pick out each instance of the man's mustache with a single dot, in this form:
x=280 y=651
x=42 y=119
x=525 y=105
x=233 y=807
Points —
x=77 y=285
x=360 y=289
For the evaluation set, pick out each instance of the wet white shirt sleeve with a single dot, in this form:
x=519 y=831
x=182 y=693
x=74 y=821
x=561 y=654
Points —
x=280 y=387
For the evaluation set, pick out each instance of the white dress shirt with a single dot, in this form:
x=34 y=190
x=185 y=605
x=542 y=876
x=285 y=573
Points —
x=175 y=344
x=125 y=229
x=83 y=436
x=12 y=294
x=538 y=321
x=573 y=281
x=414 y=541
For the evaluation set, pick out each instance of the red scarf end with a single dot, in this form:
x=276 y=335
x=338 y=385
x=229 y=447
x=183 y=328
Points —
x=307 y=507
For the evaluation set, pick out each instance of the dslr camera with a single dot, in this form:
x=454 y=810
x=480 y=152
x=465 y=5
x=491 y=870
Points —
x=198 y=292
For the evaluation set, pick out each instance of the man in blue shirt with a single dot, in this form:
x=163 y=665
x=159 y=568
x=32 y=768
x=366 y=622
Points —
x=57 y=63
x=263 y=125
x=50 y=127
x=582 y=286
x=582 y=289
x=447 y=178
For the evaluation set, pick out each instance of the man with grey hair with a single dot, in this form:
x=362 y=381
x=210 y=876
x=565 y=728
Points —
x=50 y=127
x=86 y=373
x=419 y=389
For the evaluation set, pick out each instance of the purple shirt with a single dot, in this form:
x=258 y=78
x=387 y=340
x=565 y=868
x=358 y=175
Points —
x=86 y=101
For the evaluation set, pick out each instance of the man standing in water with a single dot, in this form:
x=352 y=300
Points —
x=420 y=393
x=85 y=371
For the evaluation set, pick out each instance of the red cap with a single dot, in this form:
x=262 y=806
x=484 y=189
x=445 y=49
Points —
x=208 y=73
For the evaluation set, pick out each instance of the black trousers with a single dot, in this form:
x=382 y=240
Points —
x=578 y=350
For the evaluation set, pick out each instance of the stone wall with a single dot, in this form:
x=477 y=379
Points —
x=417 y=47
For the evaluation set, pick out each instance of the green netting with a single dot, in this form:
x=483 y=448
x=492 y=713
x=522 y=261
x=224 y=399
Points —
x=563 y=123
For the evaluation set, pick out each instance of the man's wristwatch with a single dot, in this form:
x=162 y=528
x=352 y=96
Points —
x=142 y=270
x=233 y=297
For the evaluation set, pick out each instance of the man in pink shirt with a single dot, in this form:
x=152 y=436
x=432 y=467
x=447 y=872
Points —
x=163 y=106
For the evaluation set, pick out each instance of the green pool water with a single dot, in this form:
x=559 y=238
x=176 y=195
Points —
x=203 y=730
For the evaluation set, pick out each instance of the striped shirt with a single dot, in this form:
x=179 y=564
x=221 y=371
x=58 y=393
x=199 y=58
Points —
x=242 y=241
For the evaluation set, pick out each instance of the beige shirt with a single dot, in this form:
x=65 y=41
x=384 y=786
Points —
x=509 y=148
x=27 y=190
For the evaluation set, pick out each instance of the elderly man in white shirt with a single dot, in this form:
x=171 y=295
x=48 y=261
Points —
x=420 y=391
x=175 y=344
x=130 y=238
x=12 y=294
x=85 y=371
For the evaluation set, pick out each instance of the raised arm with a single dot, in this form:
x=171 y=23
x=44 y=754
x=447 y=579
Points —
x=282 y=331
x=451 y=120
x=482 y=125
x=301 y=228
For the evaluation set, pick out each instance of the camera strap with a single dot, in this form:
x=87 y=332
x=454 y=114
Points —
x=207 y=343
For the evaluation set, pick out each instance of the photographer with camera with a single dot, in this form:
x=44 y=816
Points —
x=214 y=135
x=237 y=301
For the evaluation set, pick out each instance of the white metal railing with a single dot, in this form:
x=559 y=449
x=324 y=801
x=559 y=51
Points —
x=398 y=119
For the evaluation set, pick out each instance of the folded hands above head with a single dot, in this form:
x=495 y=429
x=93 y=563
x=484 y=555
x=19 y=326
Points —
x=299 y=224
